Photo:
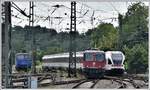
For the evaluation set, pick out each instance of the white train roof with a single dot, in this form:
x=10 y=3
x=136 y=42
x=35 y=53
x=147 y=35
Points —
x=113 y=52
x=66 y=55
x=62 y=55
x=21 y=53
x=93 y=51
x=109 y=53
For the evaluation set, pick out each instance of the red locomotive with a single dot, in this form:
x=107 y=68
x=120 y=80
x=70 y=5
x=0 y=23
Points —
x=94 y=63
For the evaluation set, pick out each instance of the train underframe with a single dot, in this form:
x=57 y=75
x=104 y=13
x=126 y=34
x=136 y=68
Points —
x=24 y=68
x=115 y=71
x=93 y=72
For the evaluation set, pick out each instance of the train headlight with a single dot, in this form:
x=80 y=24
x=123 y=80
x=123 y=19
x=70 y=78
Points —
x=81 y=65
x=93 y=63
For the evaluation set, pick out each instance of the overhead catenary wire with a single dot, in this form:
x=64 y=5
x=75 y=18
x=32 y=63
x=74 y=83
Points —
x=89 y=14
x=60 y=21
x=114 y=7
x=93 y=8
x=40 y=17
x=20 y=10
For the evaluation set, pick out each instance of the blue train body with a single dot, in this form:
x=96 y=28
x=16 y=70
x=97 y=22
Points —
x=23 y=61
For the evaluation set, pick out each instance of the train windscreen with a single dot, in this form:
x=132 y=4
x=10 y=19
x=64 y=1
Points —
x=99 y=56
x=20 y=57
x=117 y=58
x=88 y=56
x=23 y=56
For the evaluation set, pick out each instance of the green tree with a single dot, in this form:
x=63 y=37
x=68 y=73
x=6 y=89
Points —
x=135 y=38
x=136 y=58
x=135 y=24
x=105 y=37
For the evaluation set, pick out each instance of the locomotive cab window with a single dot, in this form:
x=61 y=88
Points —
x=26 y=56
x=20 y=57
x=23 y=56
x=99 y=56
x=88 y=56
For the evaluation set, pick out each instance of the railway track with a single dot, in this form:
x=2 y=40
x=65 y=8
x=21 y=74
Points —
x=94 y=82
x=62 y=82
x=121 y=80
x=23 y=78
x=122 y=84
x=78 y=83
x=130 y=80
x=118 y=80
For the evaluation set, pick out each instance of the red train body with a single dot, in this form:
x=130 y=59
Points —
x=94 y=63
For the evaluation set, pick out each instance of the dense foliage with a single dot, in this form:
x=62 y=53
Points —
x=135 y=30
x=104 y=37
x=134 y=38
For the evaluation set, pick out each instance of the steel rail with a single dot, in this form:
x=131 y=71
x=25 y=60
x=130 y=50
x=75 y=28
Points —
x=78 y=84
x=95 y=82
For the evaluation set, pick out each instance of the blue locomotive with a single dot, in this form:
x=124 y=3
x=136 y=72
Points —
x=23 y=61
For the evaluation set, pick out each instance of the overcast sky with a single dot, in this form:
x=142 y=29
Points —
x=101 y=11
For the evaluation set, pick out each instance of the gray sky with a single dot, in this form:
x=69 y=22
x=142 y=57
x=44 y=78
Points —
x=103 y=12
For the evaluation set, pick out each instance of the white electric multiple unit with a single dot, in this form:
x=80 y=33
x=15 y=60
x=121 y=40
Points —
x=114 y=60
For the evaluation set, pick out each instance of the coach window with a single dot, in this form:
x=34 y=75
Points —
x=88 y=56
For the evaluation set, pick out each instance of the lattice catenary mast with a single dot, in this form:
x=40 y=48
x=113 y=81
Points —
x=72 y=51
